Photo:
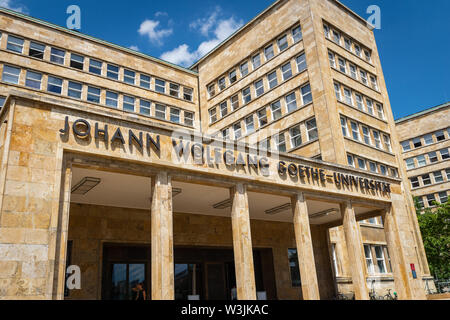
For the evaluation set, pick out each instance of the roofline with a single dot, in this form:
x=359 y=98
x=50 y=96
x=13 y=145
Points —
x=90 y=38
x=423 y=113
x=264 y=12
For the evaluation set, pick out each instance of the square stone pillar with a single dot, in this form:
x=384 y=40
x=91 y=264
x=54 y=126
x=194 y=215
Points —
x=355 y=250
x=162 y=238
x=242 y=244
x=305 y=252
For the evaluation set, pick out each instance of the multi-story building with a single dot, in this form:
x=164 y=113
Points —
x=425 y=141
x=107 y=155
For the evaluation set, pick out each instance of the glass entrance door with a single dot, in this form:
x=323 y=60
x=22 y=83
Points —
x=125 y=277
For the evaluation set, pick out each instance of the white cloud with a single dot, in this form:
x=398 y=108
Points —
x=161 y=13
x=205 y=24
x=149 y=28
x=135 y=48
x=16 y=7
x=180 y=56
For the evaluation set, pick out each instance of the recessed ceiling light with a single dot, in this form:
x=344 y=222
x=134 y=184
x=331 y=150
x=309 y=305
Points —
x=279 y=209
x=223 y=205
x=324 y=213
x=85 y=185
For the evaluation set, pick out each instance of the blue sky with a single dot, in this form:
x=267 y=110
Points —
x=414 y=40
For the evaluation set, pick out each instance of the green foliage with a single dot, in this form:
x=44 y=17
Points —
x=435 y=228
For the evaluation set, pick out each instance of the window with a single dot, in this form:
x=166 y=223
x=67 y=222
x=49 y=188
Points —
x=259 y=87
x=369 y=106
x=355 y=130
x=443 y=198
x=394 y=172
x=283 y=43
x=417 y=142
x=348 y=96
x=447 y=172
x=406 y=146
x=353 y=72
x=420 y=202
x=145 y=107
x=335 y=261
x=160 y=112
x=281 y=142
x=276 y=110
x=273 y=80
x=415 y=182
x=306 y=94
x=291 y=102
x=286 y=71
x=268 y=52
x=426 y=179
x=383 y=170
x=212 y=115
x=410 y=163
x=112 y=99
x=57 y=56
x=244 y=69
x=295 y=269
x=2 y=101
x=175 y=115
x=431 y=200
x=160 y=86
x=373 y=167
x=366 y=135
x=297 y=34
x=326 y=30
x=381 y=263
x=376 y=137
x=348 y=44
x=235 y=102
x=357 y=50
x=54 y=85
x=387 y=143
x=262 y=117
x=311 y=128
x=296 y=136
x=174 y=90
x=369 y=261
x=15 y=44
x=337 y=91
x=351 y=161
x=438 y=178
x=129 y=76
x=222 y=84
x=421 y=161
x=374 y=83
x=428 y=139
x=367 y=55
x=93 y=94
x=256 y=61
x=444 y=154
x=36 y=50
x=74 y=89
x=342 y=65
x=332 y=59
x=440 y=136
x=95 y=66
x=246 y=95
x=301 y=63
x=11 y=74
x=145 y=81
x=33 y=80
x=112 y=72
x=433 y=157
x=336 y=37
x=76 y=61
x=344 y=127
x=362 y=164
x=249 y=124
x=226 y=133
x=223 y=109
x=212 y=90
x=363 y=76
x=233 y=76
x=237 y=130
x=359 y=101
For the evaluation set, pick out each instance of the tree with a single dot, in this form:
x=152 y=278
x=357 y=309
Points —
x=435 y=228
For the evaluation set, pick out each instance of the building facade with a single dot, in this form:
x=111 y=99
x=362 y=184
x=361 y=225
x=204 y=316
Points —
x=107 y=155
x=425 y=140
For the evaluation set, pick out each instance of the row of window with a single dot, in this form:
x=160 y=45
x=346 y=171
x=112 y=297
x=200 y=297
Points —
x=259 y=87
x=100 y=68
x=362 y=133
x=426 y=179
x=347 y=42
x=425 y=140
x=56 y=85
x=357 y=100
x=359 y=74
x=429 y=158
x=441 y=197
x=372 y=166
x=255 y=61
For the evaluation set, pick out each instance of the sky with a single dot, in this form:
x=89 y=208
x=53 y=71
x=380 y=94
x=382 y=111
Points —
x=413 y=42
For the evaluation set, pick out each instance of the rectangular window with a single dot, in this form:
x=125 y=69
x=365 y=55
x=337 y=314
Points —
x=249 y=124
x=281 y=142
x=440 y=136
x=74 y=90
x=283 y=43
x=357 y=50
x=223 y=109
x=380 y=111
x=237 y=130
x=33 y=80
x=342 y=65
x=363 y=75
x=160 y=86
x=188 y=94
x=373 y=167
x=359 y=102
x=233 y=76
x=326 y=30
x=306 y=94
x=160 y=111
x=348 y=44
x=337 y=91
x=431 y=199
x=15 y=44
x=244 y=69
x=420 y=202
x=421 y=161
x=415 y=182
x=212 y=90
x=332 y=59
x=438 y=178
x=351 y=161
x=226 y=133
x=112 y=72
x=447 y=172
x=294 y=268
x=246 y=95
x=265 y=144
x=369 y=106
x=129 y=76
x=444 y=154
x=2 y=101
x=301 y=63
x=273 y=80
x=387 y=143
x=212 y=115
x=433 y=157
x=406 y=146
x=93 y=94
x=175 y=115
x=367 y=55
x=76 y=61
x=145 y=81
x=381 y=263
x=269 y=53
x=259 y=87
x=344 y=127
x=112 y=99
x=336 y=37
x=374 y=83
x=355 y=130
x=311 y=128
x=57 y=56
x=11 y=74
x=291 y=102
x=426 y=179
x=297 y=34
x=235 y=102
x=410 y=163
x=95 y=66
x=394 y=172
x=222 y=84
x=366 y=135
x=286 y=71
x=353 y=72
x=383 y=170
x=145 y=107
x=377 y=139
x=262 y=117
x=256 y=61
x=443 y=198
x=369 y=261
x=417 y=142
x=54 y=85
x=296 y=136
x=348 y=96
x=36 y=50
x=174 y=90
x=362 y=164
x=189 y=118
x=276 y=110
x=428 y=139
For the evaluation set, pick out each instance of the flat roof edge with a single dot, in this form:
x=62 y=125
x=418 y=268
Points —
x=423 y=112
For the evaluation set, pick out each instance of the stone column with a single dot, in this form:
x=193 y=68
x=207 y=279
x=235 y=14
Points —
x=305 y=252
x=162 y=238
x=355 y=250
x=242 y=244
